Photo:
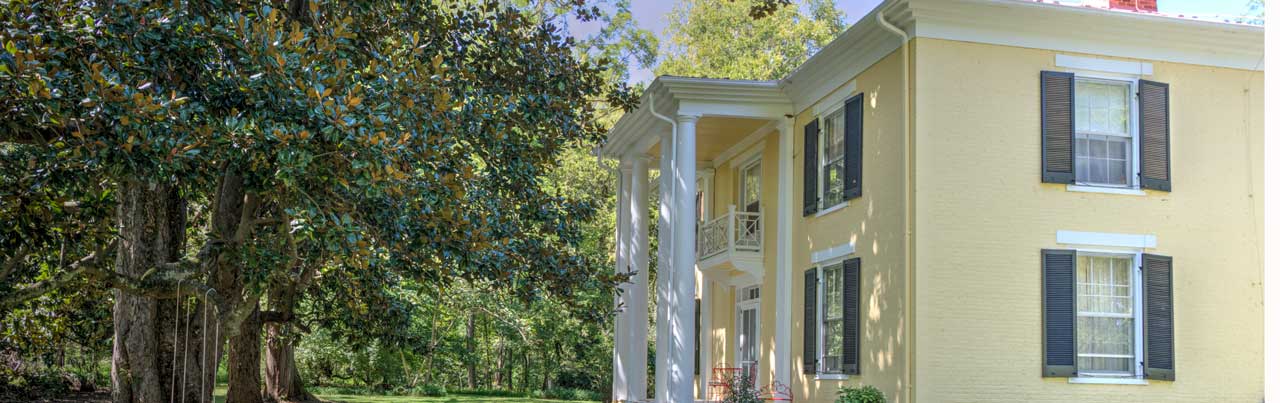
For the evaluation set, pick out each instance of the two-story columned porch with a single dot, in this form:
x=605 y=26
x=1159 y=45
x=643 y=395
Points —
x=718 y=223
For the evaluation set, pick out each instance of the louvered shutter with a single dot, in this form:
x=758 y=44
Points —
x=853 y=147
x=1057 y=127
x=810 y=321
x=697 y=336
x=852 y=294
x=1153 y=139
x=1157 y=317
x=1059 y=312
x=811 y=167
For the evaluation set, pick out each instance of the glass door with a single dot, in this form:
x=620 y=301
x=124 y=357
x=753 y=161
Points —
x=749 y=329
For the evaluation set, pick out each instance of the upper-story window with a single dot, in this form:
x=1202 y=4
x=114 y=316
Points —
x=750 y=187
x=1104 y=136
x=1103 y=133
x=831 y=152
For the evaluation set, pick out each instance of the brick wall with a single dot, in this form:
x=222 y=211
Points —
x=1138 y=5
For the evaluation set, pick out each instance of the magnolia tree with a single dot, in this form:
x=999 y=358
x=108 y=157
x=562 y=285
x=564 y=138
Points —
x=224 y=156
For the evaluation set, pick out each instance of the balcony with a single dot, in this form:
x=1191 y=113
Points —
x=731 y=246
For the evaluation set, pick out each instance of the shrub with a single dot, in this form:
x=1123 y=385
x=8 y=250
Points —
x=863 y=394
x=430 y=390
x=568 y=394
x=33 y=383
x=742 y=389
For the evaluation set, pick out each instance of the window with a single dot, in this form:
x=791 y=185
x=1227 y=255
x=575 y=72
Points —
x=703 y=183
x=831 y=163
x=830 y=327
x=749 y=187
x=1104 y=140
x=1106 y=305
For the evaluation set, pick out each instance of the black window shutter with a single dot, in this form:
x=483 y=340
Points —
x=811 y=167
x=1153 y=135
x=1057 y=127
x=1059 y=312
x=1157 y=319
x=851 y=296
x=810 y=321
x=697 y=336
x=853 y=147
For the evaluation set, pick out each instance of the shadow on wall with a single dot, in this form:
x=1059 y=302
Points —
x=883 y=325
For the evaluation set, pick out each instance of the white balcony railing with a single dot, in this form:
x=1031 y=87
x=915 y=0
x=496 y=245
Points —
x=737 y=231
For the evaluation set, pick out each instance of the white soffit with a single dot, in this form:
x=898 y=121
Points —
x=1110 y=239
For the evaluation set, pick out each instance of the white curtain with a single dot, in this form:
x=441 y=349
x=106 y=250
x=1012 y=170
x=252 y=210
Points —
x=1105 y=323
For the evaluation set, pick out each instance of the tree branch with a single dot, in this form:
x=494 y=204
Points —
x=161 y=282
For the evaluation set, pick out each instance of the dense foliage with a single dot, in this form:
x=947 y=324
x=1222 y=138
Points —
x=719 y=38
x=313 y=154
x=861 y=394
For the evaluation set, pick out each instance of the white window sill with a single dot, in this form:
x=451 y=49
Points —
x=1104 y=189
x=832 y=209
x=1108 y=381
x=832 y=377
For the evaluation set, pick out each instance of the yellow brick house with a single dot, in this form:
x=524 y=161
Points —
x=957 y=201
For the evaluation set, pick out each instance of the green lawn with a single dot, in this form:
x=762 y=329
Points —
x=220 y=392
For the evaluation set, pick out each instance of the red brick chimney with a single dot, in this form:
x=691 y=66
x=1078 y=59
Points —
x=1134 y=5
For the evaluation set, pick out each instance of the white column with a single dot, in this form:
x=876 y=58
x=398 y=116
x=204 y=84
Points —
x=663 y=362
x=782 y=311
x=621 y=331
x=683 y=259
x=638 y=293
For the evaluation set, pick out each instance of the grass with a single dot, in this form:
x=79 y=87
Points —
x=220 y=393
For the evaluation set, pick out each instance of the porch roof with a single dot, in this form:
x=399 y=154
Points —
x=671 y=96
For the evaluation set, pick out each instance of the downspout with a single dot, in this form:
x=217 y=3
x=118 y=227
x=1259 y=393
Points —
x=907 y=141
x=670 y=121
x=670 y=270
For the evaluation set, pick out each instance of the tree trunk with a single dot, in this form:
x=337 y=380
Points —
x=284 y=383
x=244 y=353
x=234 y=211
x=471 y=350
x=152 y=222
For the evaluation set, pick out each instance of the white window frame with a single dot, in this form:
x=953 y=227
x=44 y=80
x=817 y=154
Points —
x=820 y=367
x=826 y=206
x=1134 y=153
x=1136 y=284
x=745 y=302
x=703 y=183
x=755 y=161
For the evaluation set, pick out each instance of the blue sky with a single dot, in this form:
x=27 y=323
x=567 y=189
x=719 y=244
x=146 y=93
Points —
x=651 y=15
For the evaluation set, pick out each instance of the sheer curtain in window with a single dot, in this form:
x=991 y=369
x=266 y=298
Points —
x=1105 y=320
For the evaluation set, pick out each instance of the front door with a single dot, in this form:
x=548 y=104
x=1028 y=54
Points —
x=748 y=328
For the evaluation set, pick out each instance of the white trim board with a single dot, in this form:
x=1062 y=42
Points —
x=1104 y=65
x=835 y=99
x=1107 y=239
x=832 y=253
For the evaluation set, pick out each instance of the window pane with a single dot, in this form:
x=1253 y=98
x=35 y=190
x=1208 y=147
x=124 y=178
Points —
x=1116 y=171
x=1105 y=322
x=833 y=182
x=1103 y=159
x=832 y=318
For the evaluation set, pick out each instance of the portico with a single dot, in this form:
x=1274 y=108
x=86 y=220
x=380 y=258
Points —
x=684 y=128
